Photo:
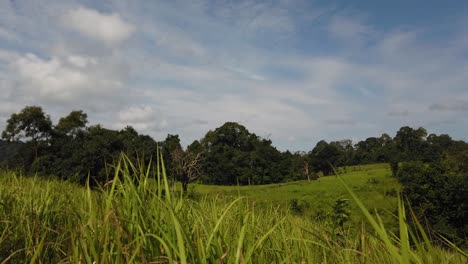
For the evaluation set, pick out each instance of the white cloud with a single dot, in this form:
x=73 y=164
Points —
x=193 y=66
x=137 y=114
x=65 y=79
x=142 y=118
x=81 y=62
x=49 y=78
x=108 y=28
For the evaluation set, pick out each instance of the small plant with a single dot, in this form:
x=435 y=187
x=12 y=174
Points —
x=340 y=212
x=373 y=181
x=297 y=206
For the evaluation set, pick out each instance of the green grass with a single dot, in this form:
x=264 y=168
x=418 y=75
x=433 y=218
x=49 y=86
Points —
x=372 y=183
x=49 y=221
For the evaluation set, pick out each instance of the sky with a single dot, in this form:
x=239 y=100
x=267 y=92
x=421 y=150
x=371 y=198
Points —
x=295 y=72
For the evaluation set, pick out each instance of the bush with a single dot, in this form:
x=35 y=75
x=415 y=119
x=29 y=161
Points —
x=298 y=206
x=438 y=196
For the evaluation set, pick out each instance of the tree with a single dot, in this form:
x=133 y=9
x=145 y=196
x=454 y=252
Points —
x=227 y=155
x=139 y=148
x=345 y=147
x=167 y=147
x=438 y=195
x=187 y=166
x=411 y=143
x=8 y=153
x=306 y=170
x=324 y=157
x=233 y=155
x=293 y=166
x=30 y=124
x=73 y=123
x=100 y=147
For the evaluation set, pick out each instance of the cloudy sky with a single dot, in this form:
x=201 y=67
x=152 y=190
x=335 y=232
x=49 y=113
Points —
x=293 y=71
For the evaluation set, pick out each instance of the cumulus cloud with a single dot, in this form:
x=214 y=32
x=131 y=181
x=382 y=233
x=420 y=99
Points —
x=108 y=28
x=64 y=79
x=190 y=67
x=142 y=118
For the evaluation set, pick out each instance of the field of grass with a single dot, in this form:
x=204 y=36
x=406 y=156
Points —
x=49 y=221
x=372 y=183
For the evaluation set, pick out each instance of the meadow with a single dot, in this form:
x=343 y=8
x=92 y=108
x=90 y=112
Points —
x=315 y=199
x=143 y=221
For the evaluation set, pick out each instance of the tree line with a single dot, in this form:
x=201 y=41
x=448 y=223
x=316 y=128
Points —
x=433 y=169
x=228 y=155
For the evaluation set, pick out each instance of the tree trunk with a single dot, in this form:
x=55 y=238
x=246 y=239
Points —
x=185 y=184
x=306 y=170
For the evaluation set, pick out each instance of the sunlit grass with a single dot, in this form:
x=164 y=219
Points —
x=372 y=183
x=137 y=220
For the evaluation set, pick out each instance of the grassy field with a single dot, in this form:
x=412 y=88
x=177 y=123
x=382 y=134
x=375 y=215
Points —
x=372 y=183
x=49 y=221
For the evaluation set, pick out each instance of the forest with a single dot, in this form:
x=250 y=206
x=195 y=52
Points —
x=228 y=155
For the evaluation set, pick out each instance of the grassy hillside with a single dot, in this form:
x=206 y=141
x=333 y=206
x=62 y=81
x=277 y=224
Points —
x=48 y=221
x=372 y=183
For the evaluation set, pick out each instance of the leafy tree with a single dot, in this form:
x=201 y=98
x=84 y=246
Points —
x=293 y=165
x=227 y=154
x=437 y=195
x=9 y=153
x=436 y=147
x=324 y=157
x=140 y=148
x=346 y=150
x=100 y=147
x=233 y=155
x=410 y=143
x=372 y=150
x=30 y=124
x=72 y=124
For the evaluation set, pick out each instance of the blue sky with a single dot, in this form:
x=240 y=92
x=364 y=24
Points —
x=293 y=71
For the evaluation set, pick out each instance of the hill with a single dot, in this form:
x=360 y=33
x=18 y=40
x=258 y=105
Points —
x=315 y=199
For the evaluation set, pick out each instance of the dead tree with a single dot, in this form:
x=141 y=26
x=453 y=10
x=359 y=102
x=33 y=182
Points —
x=187 y=166
x=306 y=170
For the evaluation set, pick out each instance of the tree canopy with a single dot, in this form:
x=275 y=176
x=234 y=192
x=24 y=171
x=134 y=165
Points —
x=229 y=154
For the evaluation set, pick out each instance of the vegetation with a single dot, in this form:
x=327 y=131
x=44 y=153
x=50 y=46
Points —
x=228 y=155
x=315 y=200
x=430 y=170
x=439 y=197
x=50 y=221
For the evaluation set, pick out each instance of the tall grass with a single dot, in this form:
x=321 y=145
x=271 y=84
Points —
x=135 y=219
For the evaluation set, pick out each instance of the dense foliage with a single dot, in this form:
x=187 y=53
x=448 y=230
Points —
x=227 y=155
x=432 y=168
x=438 y=195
